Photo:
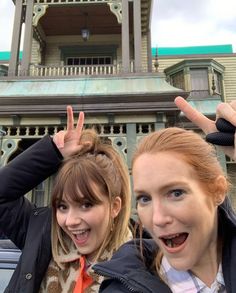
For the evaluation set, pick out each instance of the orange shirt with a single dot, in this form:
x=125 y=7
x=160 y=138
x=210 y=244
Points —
x=84 y=280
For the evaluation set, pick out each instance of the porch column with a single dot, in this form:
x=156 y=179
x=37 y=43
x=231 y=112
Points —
x=27 y=46
x=149 y=51
x=16 y=36
x=137 y=36
x=125 y=37
x=131 y=137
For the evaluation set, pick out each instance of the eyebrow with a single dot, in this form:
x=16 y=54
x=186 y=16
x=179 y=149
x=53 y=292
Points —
x=166 y=186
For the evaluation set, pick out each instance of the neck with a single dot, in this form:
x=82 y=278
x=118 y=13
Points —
x=207 y=274
x=207 y=271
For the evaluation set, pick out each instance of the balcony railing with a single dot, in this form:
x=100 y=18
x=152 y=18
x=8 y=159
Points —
x=56 y=2
x=53 y=70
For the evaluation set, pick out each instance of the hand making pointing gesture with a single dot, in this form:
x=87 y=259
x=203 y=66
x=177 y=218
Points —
x=226 y=111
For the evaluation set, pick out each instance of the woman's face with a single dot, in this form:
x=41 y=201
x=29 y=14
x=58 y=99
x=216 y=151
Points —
x=173 y=207
x=86 y=224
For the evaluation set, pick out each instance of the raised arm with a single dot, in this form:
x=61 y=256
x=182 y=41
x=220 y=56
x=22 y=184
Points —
x=41 y=160
x=226 y=111
x=29 y=169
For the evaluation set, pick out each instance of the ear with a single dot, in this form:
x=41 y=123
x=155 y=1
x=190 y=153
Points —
x=116 y=207
x=221 y=188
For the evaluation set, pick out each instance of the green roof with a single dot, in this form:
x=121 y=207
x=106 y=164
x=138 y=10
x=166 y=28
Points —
x=4 y=55
x=193 y=50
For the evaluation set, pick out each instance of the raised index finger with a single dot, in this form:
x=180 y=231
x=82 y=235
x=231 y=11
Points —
x=196 y=117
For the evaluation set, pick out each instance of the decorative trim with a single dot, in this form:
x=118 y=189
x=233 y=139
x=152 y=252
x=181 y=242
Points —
x=38 y=12
x=116 y=8
x=9 y=146
x=68 y=2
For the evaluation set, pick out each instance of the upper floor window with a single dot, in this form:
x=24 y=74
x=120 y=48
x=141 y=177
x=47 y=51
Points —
x=177 y=80
x=96 y=60
x=203 y=78
x=199 y=82
x=89 y=56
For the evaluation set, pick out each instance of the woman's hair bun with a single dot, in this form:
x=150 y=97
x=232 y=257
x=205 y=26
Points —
x=90 y=139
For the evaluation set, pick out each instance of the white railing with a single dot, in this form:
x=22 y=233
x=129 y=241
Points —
x=56 y=2
x=53 y=70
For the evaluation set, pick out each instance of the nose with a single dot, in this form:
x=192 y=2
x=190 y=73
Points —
x=73 y=218
x=160 y=214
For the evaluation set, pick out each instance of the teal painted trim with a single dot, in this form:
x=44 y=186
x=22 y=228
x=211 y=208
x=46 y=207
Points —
x=5 y=56
x=193 y=50
x=162 y=51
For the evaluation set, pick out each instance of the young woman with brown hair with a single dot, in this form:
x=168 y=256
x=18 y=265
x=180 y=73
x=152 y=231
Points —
x=88 y=217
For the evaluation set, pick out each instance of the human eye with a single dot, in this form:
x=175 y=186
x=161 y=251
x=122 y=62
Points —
x=61 y=206
x=87 y=205
x=142 y=199
x=176 y=193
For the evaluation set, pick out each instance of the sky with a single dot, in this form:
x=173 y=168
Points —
x=175 y=23
x=178 y=23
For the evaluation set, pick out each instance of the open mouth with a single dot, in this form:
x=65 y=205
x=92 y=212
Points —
x=175 y=240
x=81 y=236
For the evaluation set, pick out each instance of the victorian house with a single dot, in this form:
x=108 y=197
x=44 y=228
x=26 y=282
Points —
x=95 y=55
x=92 y=54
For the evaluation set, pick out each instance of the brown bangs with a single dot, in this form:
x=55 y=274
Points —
x=79 y=181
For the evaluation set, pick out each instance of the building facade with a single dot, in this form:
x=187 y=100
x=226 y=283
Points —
x=96 y=55
x=208 y=73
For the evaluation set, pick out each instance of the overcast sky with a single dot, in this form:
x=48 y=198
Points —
x=175 y=23
x=178 y=23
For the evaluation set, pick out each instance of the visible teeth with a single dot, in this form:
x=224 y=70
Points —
x=81 y=232
x=171 y=236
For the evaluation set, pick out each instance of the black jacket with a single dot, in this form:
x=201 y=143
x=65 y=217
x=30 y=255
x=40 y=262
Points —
x=27 y=226
x=128 y=272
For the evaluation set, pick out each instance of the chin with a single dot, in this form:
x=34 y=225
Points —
x=180 y=264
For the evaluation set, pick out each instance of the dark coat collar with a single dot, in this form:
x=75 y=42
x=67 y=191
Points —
x=137 y=274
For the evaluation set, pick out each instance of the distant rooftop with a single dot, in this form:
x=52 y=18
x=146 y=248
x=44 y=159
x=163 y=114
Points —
x=4 y=55
x=167 y=51
x=193 y=50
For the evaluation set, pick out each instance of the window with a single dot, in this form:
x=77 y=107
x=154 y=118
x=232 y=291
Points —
x=203 y=78
x=177 y=80
x=199 y=82
x=103 y=60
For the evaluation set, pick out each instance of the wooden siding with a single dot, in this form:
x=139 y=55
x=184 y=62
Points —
x=144 y=52
x=229 y=76
x=36 y=56
x=229 y=62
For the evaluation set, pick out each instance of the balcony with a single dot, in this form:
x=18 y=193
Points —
x=76 y=70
